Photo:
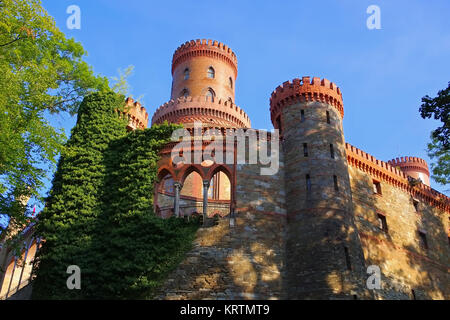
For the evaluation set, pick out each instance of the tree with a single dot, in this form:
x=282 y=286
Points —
x=441 y=168
x=439 y=148
x=42 y=72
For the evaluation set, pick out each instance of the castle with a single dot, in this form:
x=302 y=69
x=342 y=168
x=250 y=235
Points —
x=313 y=228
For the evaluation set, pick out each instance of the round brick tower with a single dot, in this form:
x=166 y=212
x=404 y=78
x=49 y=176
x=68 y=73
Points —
x=203 y=66
x=324 y=251
x=414 y=167
x=203 y=90
x=204 y=79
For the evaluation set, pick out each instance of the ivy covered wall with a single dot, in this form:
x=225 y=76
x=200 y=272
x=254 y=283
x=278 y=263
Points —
x=99 y=213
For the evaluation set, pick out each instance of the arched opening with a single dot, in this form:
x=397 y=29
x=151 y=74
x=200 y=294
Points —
x=166 y=184
x=184 y=93
x=164 y=195
x=211 y=73
x=7 y=279
x=219 y=192
x=220 y=187
x=210 y=94
x=186 y=73
x=191 y=194
x=192 y=186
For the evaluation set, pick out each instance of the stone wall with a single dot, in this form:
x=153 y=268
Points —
x=324 y=258
x=260 y=193
x=240 y=262
x=245 y=261
x=289 y=242
x=405 y=265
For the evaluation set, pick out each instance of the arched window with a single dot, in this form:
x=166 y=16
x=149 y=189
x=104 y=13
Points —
x=210 y=94
x=184 y=93
x=186 y=73
x=167 y=184
x=231 y=82
x=211 y=73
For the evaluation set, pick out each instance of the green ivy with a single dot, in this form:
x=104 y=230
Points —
x=99 y=214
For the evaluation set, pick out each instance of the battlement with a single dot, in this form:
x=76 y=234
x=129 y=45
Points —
x=197 y=108
x=409 y=161
x=136 y=113
x=203 y=47
x=414 y=167
x=388 y=172
x=305 y=89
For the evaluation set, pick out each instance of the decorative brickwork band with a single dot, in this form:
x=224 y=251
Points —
x=388 y=173
x=301 y=90
x=209 y=48
x=190 y=109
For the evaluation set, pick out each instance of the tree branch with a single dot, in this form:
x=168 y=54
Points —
x=12 y=41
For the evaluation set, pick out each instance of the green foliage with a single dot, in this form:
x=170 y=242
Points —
x=441 y=168
x=99 y=214
x=439 y=148
x=41 y=71
x=121 y=84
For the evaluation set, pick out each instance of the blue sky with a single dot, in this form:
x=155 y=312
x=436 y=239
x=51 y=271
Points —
x=382 y=73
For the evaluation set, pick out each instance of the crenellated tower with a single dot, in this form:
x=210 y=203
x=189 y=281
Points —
x=414 y=167
x=136 y=114
x=324 y=255
x=204 y=66
x=204 y=76
x=203 y=87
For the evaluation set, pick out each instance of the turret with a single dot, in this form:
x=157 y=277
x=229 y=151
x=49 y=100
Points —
x=414 y=167
x=324 y=251
x=204 y=68
x=203 y=87
x=136 y=114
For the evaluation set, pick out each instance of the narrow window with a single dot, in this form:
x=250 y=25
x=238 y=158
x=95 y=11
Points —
x=328 y=117
x=423 y=240
x=302 y=115
x=336 y=186
x=416 y=205
x=211 y=73
x=184 y=93
x=308 y=183
x=278 y=122
x=376 y=187
x=347 y=259
x=210 y=94
x=305 y=149
x=382 y=223
x=231 y=82
x=331 y=151
x=186 y=73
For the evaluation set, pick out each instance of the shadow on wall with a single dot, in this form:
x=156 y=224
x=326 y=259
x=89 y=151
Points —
x=242 y=262
x=408 y=270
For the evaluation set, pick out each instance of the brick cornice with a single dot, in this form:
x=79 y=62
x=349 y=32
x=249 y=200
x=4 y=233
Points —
x=207 y=48
x=383 y=171
x=301 y=90
x=185 y=109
